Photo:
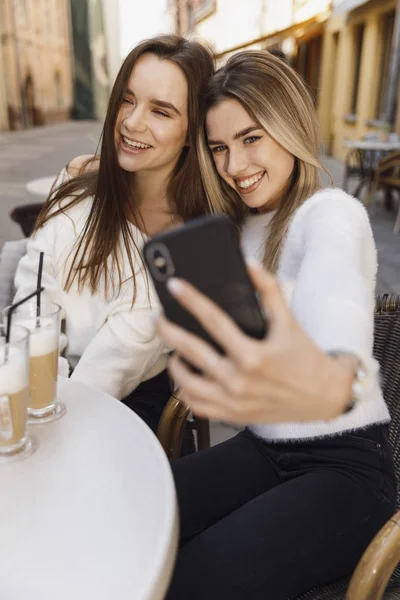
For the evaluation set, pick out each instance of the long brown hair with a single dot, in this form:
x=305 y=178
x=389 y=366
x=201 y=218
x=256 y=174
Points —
x=275 y=96
x=97 y=252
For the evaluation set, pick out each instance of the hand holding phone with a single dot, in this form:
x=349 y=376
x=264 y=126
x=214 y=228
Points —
x=206 y=253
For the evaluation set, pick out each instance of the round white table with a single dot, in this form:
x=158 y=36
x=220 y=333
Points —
x=41 y=186
x=92 y=513
x=371 y=145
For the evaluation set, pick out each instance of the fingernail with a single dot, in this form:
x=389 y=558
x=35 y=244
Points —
x=174 y=286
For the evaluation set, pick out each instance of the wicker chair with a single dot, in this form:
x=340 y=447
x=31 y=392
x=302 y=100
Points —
x=370 y=579
x=375 y=568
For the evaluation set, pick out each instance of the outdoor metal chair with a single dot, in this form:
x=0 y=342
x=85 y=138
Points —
x=374 y=571
x=387 y=177
x=359 y=164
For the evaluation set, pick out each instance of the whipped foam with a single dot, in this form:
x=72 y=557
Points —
x=13 y=374
x=43 y=340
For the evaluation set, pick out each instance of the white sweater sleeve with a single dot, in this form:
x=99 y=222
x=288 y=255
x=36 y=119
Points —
x=334 y=294
x=122 y=351
x=27 y=270
x=42 y=240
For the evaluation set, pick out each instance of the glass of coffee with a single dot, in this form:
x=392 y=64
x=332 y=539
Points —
x=44 y=331
x=14 y=394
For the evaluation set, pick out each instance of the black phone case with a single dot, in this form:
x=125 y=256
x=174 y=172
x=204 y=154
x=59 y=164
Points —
x=206 y=253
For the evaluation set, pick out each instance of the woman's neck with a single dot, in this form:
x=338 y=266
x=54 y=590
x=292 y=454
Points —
x=150 y=191
x=154 y=211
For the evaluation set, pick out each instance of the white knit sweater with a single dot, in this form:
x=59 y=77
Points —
x=115 y=343
x=327 y=269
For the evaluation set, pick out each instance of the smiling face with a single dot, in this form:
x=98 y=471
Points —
x=246 y=157
x=152 y=122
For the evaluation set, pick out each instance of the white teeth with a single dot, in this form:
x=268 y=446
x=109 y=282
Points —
x=248 y=182
x=135 y=144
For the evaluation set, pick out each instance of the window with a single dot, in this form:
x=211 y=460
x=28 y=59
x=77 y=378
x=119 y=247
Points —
x=357 y=45
x=387 y=26
x=308 y=63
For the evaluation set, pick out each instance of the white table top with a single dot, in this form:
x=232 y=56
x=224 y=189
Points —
x=92 y=513
x=366 y=145
x=41 y=186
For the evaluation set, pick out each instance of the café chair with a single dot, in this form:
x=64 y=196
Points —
x=175 y=422
x=359 y=164
x=376 y=576
x=26 y=216
x=387 y=177
x=353 y=169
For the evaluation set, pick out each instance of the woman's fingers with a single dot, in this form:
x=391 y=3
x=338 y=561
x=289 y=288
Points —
x=232 y=377
x=214 y=320
x=191 y=347
x=203 y=409
x=271 y=295
x=194 y=384
x=196 y=351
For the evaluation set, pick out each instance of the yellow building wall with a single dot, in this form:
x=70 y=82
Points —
x=43 y=43
x=3 y=89
x=337 y=75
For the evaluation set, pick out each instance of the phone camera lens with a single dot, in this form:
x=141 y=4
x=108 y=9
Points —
x=160 y=263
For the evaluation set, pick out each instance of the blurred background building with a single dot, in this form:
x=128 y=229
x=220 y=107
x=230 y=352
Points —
x=59 y=58
x=346 y=50
x=90 y=58
x=35 y=56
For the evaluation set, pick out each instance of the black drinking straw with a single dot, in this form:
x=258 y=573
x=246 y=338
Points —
x=38 y=286
x=9 y=316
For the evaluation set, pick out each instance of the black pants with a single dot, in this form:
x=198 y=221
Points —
x=266 y=521
x=148 y=401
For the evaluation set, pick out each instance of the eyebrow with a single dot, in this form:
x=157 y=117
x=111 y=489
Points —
x=157 y=102
x=237 y=135
x=164 y=104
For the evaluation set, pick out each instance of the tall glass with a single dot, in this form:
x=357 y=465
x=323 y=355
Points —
x=14 y=393
x=44 y=342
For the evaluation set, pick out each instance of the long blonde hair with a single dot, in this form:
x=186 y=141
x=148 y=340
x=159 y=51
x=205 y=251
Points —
x=275 y=95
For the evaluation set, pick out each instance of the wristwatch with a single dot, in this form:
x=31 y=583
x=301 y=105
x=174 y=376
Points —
x=359 y=381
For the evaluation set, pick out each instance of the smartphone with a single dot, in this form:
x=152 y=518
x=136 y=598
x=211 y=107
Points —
x=206 y=253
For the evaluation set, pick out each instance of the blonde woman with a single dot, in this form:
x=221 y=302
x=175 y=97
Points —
x=293 y=501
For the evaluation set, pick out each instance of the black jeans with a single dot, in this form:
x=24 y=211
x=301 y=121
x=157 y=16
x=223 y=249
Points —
x=268 y=521
x=148 y=400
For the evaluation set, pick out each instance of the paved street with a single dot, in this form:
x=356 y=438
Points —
x=35 y=153
x=43 y=151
